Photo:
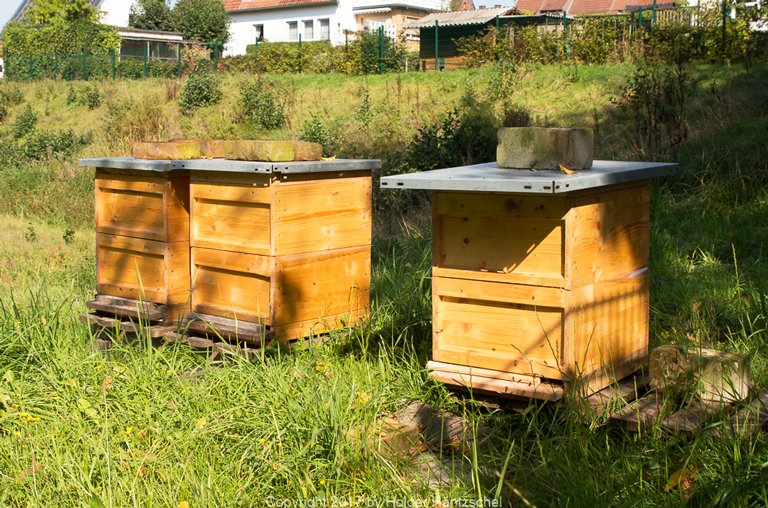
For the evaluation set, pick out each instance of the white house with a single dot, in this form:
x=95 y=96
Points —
x=314 y=20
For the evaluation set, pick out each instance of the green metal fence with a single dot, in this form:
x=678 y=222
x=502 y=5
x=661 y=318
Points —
x=138 y=63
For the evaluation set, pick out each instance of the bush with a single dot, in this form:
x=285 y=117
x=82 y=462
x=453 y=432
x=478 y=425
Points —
x=25 y=123
x=315 y=132
x=201 y=90
x=89 y=96
x=259 y=105
x=47 y=144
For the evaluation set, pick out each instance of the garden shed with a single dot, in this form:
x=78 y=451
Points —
x=440 y=31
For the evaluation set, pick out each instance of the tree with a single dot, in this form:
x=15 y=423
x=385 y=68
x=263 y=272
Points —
x=202 y=20
x=151 y=15
x=51 y=12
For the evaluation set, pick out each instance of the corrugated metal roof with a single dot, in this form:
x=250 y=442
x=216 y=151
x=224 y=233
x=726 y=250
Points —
x=478 y=17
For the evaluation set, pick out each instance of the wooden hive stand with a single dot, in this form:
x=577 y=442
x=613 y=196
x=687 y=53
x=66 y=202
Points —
x=539 y=279
x=279 y=250
x=142 y=245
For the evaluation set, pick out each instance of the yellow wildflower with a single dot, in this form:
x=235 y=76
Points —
x=200 y=423
x=32 y=419
x=183 y=504
x=128 y=431
x=322 y=482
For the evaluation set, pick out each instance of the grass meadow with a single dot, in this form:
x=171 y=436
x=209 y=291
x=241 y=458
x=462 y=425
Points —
x=163 y=427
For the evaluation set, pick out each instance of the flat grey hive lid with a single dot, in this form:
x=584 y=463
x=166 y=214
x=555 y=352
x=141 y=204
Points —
x=489 y=177
x=229 y=166
x=128 y=163
x=225 y=165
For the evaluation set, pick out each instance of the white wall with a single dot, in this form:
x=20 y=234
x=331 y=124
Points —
x=115 y=12
x=275 y=21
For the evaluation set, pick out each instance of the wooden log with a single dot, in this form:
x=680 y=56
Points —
x=641 y=414
x=689 y=419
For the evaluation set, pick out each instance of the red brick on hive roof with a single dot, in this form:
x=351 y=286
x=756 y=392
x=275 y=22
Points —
x=248 y=5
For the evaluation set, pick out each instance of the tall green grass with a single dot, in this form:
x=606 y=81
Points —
x=159 y=427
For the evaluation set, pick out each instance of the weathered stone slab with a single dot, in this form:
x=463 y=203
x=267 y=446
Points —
x=259 y=150
x=715 y=375
x=544 y=148
x=209 y=148
x=305 y=151
x=182 y=149
x=387 y=436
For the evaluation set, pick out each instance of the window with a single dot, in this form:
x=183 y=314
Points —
x=325 y=30
x=309 y=30
x=293 y=30
x=259 y=29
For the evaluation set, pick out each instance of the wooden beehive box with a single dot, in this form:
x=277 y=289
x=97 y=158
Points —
x=142 y=232
x=284 y=245
x=538 y=275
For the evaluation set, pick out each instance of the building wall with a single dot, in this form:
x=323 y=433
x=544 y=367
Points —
x=276 y=28
x=340 y=16
x=115 y=12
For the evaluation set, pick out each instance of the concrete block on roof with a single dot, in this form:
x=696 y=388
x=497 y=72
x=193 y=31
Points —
x=544 y=148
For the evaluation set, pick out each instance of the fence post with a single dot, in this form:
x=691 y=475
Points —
x=381 y=49
x=639 y=19
x=436 y=42
x=114 y=69
x=653 y=16
x=178 y=44
x=299 y=41
x=146 y=56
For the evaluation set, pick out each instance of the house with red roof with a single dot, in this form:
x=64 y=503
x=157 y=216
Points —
x=315 y=20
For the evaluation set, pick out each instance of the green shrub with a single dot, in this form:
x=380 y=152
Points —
x=200 y=90
x=90 y=97
x=315 y=132
x=47 y=144
x=259 y=105
x=25 y=123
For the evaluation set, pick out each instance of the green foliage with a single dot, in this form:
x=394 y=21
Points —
x=151 y=15
x=315 y=132
x=30 y=235
x=364 y=113
x=360 y=56
x=202 y=20
x=89 y=96
x=655 y=99
x=25 y=122
x=65 y=38
x=69 y=235
x=52 y=12
x=260 y=106
x=200 y=90
x=45 y=145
